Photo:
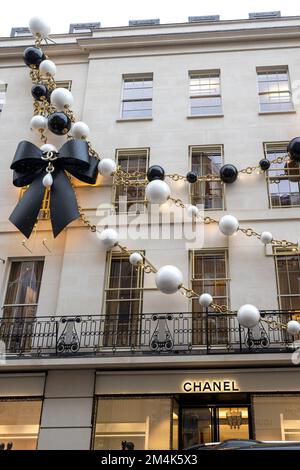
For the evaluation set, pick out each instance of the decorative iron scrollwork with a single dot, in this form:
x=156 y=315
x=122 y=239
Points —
x=161 y=338
x=69 y=339
x=257 y=337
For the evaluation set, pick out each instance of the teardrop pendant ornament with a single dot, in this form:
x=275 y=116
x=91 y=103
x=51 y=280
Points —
x=48 y=180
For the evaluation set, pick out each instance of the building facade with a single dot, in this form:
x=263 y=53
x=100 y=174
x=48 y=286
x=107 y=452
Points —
x=94 y=354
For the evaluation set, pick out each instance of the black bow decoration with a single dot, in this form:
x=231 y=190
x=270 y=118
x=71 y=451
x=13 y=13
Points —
x=29 y=165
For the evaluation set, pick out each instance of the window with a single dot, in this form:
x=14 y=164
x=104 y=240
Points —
x=205 y=93
x=132 y=198
x=44 y=213
x=19 y=423
x=20 y=32
x=209 y=273
x=83 y=27
x=204 y=161
x=274 y=90
x=282 y=178
x=137 y=96
x=20 y=303
x=67 y=84
x=3 y=88
x=277 y=417
x=144 y=422
x=123 y=301
x=288 y=280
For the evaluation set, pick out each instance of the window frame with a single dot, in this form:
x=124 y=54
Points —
x=3 y=96
x=138 y=76
x=205 y=74
x=133 y=151
x=274 y=70
x=207 y=148
x=279 y=252
x=269 y=148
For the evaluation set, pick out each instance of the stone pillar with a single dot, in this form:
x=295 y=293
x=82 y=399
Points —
x=66 y=421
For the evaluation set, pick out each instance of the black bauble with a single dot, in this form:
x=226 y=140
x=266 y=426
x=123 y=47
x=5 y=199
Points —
x=59 y=123
x=155 y=172
x=40 y=92
x=191 y=177
x=33 y=56
x=228 y=173
x=294 y=149
x=264 y=164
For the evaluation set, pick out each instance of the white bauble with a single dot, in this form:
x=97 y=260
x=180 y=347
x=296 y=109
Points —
x=248 y=316
x=109 y=238
x=192 y=211
x=80 y=130
x=38 y=25
x=157 y=192
x=107 y=167
x=228 y=224
x=39 y=123
x=47 y=67
x=135 y=258
x=205 y=300
x=266 y=237
x=48 y=148
x=61 y=97
x=293 y=327
x=48 y=180
x=168 y=279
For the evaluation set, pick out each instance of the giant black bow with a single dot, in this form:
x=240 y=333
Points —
x=30 y=168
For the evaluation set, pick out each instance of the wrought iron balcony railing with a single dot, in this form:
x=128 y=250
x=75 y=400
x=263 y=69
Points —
x=144 y=334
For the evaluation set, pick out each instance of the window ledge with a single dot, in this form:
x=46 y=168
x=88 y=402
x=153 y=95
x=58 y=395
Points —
x=203 y=116
x=134 y=119
x=262 y=113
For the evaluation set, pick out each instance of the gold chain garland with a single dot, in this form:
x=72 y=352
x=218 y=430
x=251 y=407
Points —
x=139 y=179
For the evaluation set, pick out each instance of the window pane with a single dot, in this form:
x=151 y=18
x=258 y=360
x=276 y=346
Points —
x=144 y=422
x=207 y=193
x=19 y=423
x=274 y=92
x=277 y=418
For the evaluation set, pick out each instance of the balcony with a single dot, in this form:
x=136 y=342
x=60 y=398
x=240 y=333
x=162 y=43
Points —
x=144 y=334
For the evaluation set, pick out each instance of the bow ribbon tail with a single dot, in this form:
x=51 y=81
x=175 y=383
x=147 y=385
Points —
x=63 y=203
x=25 y=214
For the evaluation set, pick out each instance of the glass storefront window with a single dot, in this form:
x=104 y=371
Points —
x=277 y=418
x=233 y=423
x=19 y=424
x=144 y=422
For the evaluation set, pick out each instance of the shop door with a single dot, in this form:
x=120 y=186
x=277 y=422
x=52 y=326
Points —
x=201 y=425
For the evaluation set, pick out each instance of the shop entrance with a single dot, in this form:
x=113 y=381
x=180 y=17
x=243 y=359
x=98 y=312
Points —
x=214 y=421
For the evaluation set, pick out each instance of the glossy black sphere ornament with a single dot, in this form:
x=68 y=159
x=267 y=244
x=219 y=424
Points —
x=264 y=164
x=33 y=56
x=59 y=123
x=40 y=92
x=294 y=149
x=155 y=172
x=228 y=173
x=191 y=177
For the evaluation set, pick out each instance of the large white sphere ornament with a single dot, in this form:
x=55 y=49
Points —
x=48 y=148
x=157 y=192
x=192 y=211
x=47 y=67
x=228 y=225
x=80 y=130
x=168 y=279
x=109 y=238
x=205 y=300
x=248 y=316
x=293 y=327
x=39 y=123
x=107 y=167
x=135 y=259
x=266 y=237
x=61 y=97
x=38 y=25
